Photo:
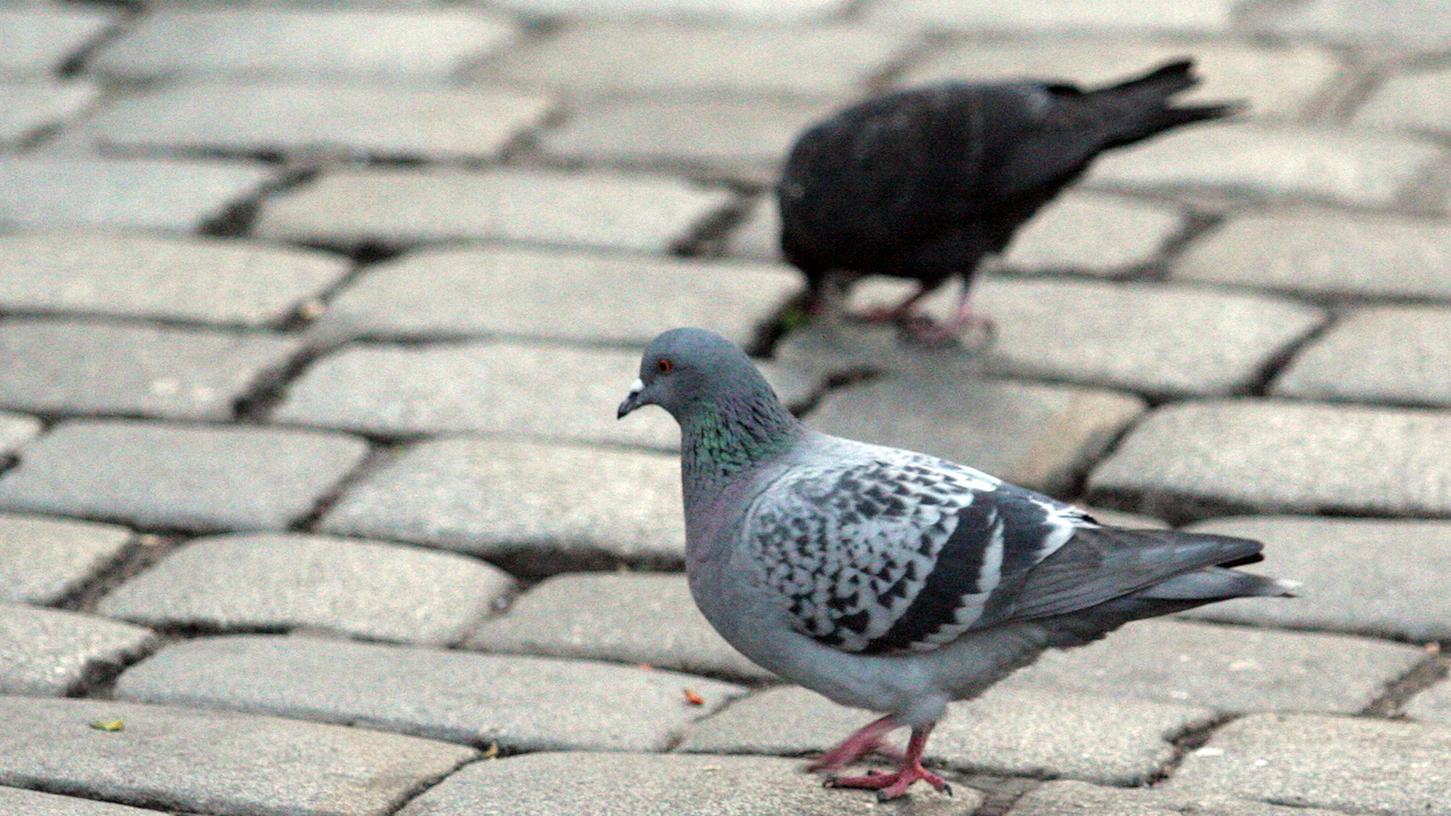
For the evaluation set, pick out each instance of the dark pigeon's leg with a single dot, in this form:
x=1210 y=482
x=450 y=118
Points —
x=862 y=742
x=892 y=785
x=902 y=311
x=929 y=331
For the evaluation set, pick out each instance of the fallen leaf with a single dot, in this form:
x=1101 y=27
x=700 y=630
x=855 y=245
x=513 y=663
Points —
x=109 y=725
x=644 y=667
x=694 y=698
x=491 y=751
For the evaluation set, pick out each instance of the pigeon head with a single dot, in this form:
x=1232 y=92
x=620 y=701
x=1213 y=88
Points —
x=729 y=416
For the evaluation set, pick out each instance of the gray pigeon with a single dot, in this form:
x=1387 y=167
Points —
x=890 y=580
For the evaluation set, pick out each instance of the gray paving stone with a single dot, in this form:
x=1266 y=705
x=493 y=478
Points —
x=39 y=39
x=1341 y=166
x=179 y=476
x=360 y=121
x=1228 y=668
x=1368 y=576
x=15 y=430
x=520 y=703
x=53 y=653
x=749 y=134
x=1371 y=256
x=1389 y=354
x=396 y=207
x=623 y=617
x=663 y=57
x=544 y=391
x=558 y=296
x=1005 y=732
x=753 y=10
x=68 y=367
x=1415 y=23
x=1085 y=233
x=1413 y=101
x=1068 y=798
x=171 y=195
x=660 y=785
x=1433 y=704
x=214 y=761
x=1342 y=763
x=535 y=507
x=1057 y=16
x=42 y=560
x=307 y=43
x=1030 y=434
x=35 y=803
x=270 y=582
x=1211 y=458
x=1147 y=338
x=1275 y=81
x=134 y=275
x=26 y=108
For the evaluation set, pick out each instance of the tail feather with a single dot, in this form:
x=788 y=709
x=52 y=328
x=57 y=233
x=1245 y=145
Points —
x=1219 y=584
x=1147 y=100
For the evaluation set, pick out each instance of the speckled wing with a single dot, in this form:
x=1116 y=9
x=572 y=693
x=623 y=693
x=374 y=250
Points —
x=900 y=551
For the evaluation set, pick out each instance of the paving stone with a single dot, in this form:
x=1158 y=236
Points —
x=1005 y=732
x=35 y=803
x=1057 y=15
x=504 y=388
x=559 y=296
x=1417 y=23
x=1228 y=668
x=618 y=616
x=311 y=44
x=1343 y=763
x=457 y=696
x=15 y=430
x=65 y=367
x=394 y=207
x=172 y=195
x=535 y=507
x=1341 y=166
x=1389 y=354
x=43 y=560
x=1030 y=434
x=26 y=108
x=1145 y=338
x=1432 y=704
x=1068 y=798
x=663 y=57
x=179 y=476
x=53 y=653
x=271 y=582
x=40 y=39
x=1085 y=233
x=753 y=10
x=1371 y=256
x=1369 y=576
x=751 y=134
x=1275 y=81
x=214 y=761
x=362 y=121
x=1212 y=458
x=651 y=785
x=144 y=276
x=1414 y=101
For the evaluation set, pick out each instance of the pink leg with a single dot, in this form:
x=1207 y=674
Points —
x=891 y=314
x=892 y=785
x=862 y=742
x=930 y=332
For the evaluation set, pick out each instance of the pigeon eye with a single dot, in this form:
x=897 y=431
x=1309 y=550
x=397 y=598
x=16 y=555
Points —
x=665 y=365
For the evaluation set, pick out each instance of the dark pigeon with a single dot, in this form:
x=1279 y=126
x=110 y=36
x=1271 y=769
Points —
x=923 y=183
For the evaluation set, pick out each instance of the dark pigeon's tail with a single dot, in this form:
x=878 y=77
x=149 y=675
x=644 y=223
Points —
x=1146 y=102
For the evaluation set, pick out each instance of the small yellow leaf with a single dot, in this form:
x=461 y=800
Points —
x=491 y=751
x=109 y=725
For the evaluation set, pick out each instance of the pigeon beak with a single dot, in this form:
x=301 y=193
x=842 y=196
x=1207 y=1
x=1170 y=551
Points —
x=632 y=399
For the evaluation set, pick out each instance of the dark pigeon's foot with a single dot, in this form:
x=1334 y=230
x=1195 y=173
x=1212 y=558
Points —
x=928 y=332
x=892 y=785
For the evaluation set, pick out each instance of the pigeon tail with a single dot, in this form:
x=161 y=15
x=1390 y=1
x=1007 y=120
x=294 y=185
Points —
x=1148 y=97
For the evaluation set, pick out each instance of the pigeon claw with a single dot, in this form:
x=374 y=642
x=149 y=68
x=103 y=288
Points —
x=891 y=786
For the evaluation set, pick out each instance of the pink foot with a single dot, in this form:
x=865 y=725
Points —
x=863 y=742
x=892 y=785
x=929 y=332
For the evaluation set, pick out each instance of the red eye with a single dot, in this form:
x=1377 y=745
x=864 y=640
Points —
x=665 y=366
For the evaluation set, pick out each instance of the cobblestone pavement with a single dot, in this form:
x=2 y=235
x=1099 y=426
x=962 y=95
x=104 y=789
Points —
x=313 y=318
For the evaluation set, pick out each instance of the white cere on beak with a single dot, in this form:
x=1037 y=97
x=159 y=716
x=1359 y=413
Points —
x=637 y=386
